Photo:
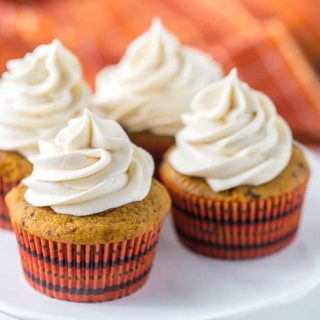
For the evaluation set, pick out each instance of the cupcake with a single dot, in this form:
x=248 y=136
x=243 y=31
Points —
x=38 y=95
x=88 y=218
x=235 y=177
x=152 y=86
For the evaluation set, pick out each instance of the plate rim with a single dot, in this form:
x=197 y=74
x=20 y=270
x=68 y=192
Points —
x=313 y=158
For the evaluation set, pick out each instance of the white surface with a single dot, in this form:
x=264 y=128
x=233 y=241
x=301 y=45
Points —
x=306 y=308
x=6 y=317
x=184 y=285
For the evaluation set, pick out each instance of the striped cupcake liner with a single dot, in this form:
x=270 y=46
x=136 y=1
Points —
x=86 y=273
x=237 y=230
x=5 y=187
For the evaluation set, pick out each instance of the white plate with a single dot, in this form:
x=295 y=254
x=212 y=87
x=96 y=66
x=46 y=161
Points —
x=183 y=285
x=6 y=317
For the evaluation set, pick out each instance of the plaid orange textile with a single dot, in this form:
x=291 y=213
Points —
x=302 y=18
x=98 y=32
x=273 y=63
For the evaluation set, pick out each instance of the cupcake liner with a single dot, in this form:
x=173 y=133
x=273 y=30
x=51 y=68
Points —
x=86 y=273
x=5 y=187
x=237 y=230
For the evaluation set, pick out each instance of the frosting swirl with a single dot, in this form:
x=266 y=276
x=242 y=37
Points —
x=38 y=95
x=233 y=137
x=154 y=82
x=91 y=166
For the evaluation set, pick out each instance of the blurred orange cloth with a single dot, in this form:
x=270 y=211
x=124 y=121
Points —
x=301 y=16
x=272 y=63
x=99 y=31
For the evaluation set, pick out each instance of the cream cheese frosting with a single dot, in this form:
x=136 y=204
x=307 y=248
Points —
x=38 y=95
x=233 y=137
x=154 y=82
x=90 y=167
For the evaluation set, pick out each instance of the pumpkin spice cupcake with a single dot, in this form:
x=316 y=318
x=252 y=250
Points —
x=38 y=95
x=13 y=168
x=152 y=86
x=236 y=180
x=88 y=219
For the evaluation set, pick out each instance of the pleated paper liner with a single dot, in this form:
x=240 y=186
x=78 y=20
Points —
x=86 y=273
x=5 y=187
x=237 y=230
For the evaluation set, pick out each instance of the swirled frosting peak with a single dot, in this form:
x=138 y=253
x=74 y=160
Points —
x=154 y=82
x=91 y=166
x=233 y=137
x=38 y=95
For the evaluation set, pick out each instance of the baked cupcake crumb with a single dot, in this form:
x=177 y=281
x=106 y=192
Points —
x=295 y=174
x=13 y=166
x=113 y=225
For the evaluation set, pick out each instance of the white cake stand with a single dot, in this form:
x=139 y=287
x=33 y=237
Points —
x=184 y=285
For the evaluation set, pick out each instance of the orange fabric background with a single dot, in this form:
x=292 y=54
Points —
x=255 y=36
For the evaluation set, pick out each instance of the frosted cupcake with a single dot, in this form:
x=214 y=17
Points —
x=38 y=95
x=236 y=180
x=88 y=218
x=152 y=86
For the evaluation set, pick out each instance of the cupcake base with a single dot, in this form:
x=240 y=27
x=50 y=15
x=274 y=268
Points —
x=5 y=187
x=13 y=168
x=238 y=254
x=238 y=230
x=243 y=222
x=86 y=273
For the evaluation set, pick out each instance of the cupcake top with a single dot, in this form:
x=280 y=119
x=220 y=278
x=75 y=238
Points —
x=38 y=95
x=233 y=137
x=154 y=82
x=114 y=225
x=90 y=167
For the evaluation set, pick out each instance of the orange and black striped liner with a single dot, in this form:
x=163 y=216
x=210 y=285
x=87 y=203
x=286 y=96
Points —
x=5 y=187
x=86 y=273
x=237 y=230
